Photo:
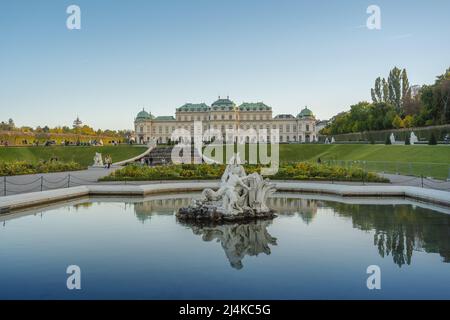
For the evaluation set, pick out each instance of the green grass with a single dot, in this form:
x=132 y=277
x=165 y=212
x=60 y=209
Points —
x=82 y=155
x=430 y=161
x=433 y=161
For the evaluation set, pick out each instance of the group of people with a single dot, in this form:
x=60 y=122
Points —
x=147 y=161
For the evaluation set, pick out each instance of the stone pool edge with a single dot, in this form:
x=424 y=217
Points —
x=12 y=203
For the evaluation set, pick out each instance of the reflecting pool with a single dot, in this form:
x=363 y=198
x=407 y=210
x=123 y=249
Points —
x=317 y=248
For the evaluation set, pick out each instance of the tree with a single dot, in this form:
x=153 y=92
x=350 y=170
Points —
x=385 y=90
x=394 y=82
x=408 y=121
x=376 y=93
x=406 y=90
x=397 y=122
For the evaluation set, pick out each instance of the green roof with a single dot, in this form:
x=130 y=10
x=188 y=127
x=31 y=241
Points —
x=223 y=104
x=254 y=106
x=165 y=118
x=144 y=115
x=194 y=107
x=305 y=113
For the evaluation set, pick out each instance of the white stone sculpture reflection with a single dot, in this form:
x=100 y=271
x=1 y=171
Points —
x=413 y=138
x=239 y=195
x=98 y=160
x=238 y=239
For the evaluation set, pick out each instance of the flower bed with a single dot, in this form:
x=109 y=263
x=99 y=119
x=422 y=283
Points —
x=25 y=167
x=296 y=171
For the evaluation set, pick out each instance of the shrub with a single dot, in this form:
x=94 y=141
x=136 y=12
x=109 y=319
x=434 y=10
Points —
x=291 y=171
x=432 y=140
x=25 y=167
x=388 y=140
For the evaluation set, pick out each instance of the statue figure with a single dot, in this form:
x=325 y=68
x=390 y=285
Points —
x=413 y=138
x=332 y=140
x=392 y=138
x=327 y=141
x=98 y=160
x=238 y=240
x=239 y=196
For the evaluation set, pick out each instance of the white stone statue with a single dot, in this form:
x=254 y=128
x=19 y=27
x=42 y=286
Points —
x=98 y=160
x=332 y=140
x=327 y=141
x=238 y=240
x=238 y=195
x=413 y=138
x=392 y=138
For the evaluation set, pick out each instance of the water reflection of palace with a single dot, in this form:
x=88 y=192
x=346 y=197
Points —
x=305 y=208
x=398 y=230
x=166 y=206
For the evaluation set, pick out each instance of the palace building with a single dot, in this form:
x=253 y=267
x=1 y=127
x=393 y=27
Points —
x=224 y=114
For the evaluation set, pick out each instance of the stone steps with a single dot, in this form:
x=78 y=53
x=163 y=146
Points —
x=163 y=155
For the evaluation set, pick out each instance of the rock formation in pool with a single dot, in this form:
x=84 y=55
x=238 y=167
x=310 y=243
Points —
x=239 y=197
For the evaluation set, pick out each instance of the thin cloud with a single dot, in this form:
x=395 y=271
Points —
x=401 y=36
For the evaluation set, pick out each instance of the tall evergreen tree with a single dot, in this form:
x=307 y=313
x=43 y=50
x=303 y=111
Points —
x=385 y=90
x=394 y=82
x=406 y=90
x=377 y=95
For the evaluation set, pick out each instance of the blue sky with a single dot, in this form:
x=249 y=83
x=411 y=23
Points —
x=161 y=54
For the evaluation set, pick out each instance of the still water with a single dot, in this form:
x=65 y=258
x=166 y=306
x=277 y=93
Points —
x=317 y=248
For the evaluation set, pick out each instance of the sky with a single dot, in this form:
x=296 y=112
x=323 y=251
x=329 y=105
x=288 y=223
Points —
x=158 y=55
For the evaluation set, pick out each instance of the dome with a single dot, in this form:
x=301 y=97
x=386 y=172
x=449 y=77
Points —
x=305 y=113
x=223 y=104
x=143 y=115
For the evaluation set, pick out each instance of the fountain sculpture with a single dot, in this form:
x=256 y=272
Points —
x=239 y=197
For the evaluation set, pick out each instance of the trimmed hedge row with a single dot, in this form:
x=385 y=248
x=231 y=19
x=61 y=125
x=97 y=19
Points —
x=422 y=133
x=297 y=171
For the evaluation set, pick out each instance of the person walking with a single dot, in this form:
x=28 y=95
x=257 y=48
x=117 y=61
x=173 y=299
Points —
x=108 y=161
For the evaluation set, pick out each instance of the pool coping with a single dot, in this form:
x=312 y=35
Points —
x=12 y=203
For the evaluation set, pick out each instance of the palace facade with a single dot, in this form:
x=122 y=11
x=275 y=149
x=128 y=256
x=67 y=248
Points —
x=224 y=114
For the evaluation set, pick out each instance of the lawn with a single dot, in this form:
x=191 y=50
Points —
x=430 y=161
x=81 y=155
